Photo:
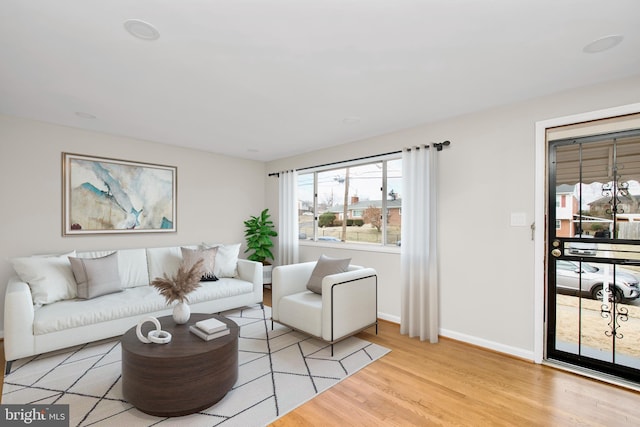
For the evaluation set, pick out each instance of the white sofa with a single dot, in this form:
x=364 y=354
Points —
x=347 y=305
x=31 y=329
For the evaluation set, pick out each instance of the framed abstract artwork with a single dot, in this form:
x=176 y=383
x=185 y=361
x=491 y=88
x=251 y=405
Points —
x=104 y=196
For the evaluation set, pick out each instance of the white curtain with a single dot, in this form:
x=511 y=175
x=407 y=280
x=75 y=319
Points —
x=288 y=214
x=419 y=263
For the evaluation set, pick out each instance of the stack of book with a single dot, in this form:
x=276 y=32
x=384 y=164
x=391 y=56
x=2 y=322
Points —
x=209 y=329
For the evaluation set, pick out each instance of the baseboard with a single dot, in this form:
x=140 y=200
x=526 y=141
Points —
x=491 y=345
x=500 y=348
x=389 y=318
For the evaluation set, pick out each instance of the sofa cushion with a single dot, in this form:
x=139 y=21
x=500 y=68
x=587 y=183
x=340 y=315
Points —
x=191 y=256
x=163 y=261
x=96 y=276
x=324 y=267
x=50 y=277
x=132 y=265
x=226 y=259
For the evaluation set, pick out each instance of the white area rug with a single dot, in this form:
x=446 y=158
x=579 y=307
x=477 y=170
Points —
x=278 y=371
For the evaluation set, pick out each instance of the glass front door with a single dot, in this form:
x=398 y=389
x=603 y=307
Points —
x=593 y=263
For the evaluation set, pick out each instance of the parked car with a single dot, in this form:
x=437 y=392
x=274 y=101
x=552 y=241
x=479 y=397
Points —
x=583 y=248
x=329 y=239
x=570 y=274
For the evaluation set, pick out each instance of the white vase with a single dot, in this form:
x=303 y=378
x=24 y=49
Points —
x=181 y=313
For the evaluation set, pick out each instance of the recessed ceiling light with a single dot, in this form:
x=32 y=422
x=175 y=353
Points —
x=84 y=115
x=602 y=44
x=141 y=29
x=252 y=150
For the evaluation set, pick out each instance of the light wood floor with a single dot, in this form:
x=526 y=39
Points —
x=452 y=383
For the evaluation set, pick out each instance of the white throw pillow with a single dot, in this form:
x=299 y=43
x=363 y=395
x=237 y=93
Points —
x=226 y=259
x=49 y=277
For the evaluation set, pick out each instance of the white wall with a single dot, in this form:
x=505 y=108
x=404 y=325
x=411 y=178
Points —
x=215 y=193
x=486 y=265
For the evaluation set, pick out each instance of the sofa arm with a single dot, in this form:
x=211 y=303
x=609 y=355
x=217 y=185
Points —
x=250 y=271
x=18 y=320
x=349 y=303
x=287 y=280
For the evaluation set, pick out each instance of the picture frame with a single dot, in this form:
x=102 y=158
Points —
x=106 y=196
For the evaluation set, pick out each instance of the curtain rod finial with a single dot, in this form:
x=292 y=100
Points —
x=440 y=145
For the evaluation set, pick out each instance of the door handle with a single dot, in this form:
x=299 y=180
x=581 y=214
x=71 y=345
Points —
x=556 y=252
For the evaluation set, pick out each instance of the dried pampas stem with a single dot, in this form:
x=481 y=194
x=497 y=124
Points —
x=185 y=281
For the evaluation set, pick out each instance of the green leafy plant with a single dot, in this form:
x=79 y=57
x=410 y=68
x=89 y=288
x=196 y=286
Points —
x=326 y=219
x=258 y=231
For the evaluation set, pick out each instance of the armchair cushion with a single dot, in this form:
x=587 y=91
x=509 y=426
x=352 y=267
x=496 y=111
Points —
x=324 y=267
x=303 y=310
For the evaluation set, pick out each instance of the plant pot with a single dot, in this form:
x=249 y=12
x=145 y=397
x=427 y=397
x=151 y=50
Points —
x=181 y=313
x=266 y=274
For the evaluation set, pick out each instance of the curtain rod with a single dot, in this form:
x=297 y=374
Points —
x=437 y=145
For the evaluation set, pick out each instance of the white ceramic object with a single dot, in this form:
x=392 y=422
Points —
x=142 y=321
x=156 y=336
x=181 y=313
x=159 y=337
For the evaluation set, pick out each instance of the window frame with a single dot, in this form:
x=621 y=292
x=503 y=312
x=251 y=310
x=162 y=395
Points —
x=351 y=244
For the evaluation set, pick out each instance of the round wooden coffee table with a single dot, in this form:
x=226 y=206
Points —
x=184 y=376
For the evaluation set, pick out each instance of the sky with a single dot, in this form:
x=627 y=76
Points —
x=365 y=182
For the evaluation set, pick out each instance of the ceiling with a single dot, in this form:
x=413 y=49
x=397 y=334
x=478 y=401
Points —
x=267 y=79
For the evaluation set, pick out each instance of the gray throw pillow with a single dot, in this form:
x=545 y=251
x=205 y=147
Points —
x=324 y=267
x=96 y=276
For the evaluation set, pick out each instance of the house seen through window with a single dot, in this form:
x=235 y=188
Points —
x=357 y=204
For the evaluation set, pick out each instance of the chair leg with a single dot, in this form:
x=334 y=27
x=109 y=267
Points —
x=331 y=350
x=376 y=327
x=7 y=367
x=272 y=324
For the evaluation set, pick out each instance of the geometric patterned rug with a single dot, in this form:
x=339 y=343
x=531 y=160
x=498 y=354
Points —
x=278 y=371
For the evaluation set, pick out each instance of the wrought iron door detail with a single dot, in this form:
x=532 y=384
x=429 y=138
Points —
x=616 y=188
x=620 y=314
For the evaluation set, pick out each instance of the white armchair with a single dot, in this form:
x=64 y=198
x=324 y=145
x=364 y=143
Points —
x=348 y=304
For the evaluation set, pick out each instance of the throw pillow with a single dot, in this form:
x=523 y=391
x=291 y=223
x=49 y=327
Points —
x=226 y=259
x=49 y=277
x=96 y=276
x=324 y=267
x=191 y=256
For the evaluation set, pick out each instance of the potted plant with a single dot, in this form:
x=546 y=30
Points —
x=258 y=231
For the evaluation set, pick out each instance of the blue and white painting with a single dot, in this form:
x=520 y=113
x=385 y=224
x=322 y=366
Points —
x=104 y=195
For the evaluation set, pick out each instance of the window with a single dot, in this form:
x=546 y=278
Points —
x=358 y=204
x=558 y=224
